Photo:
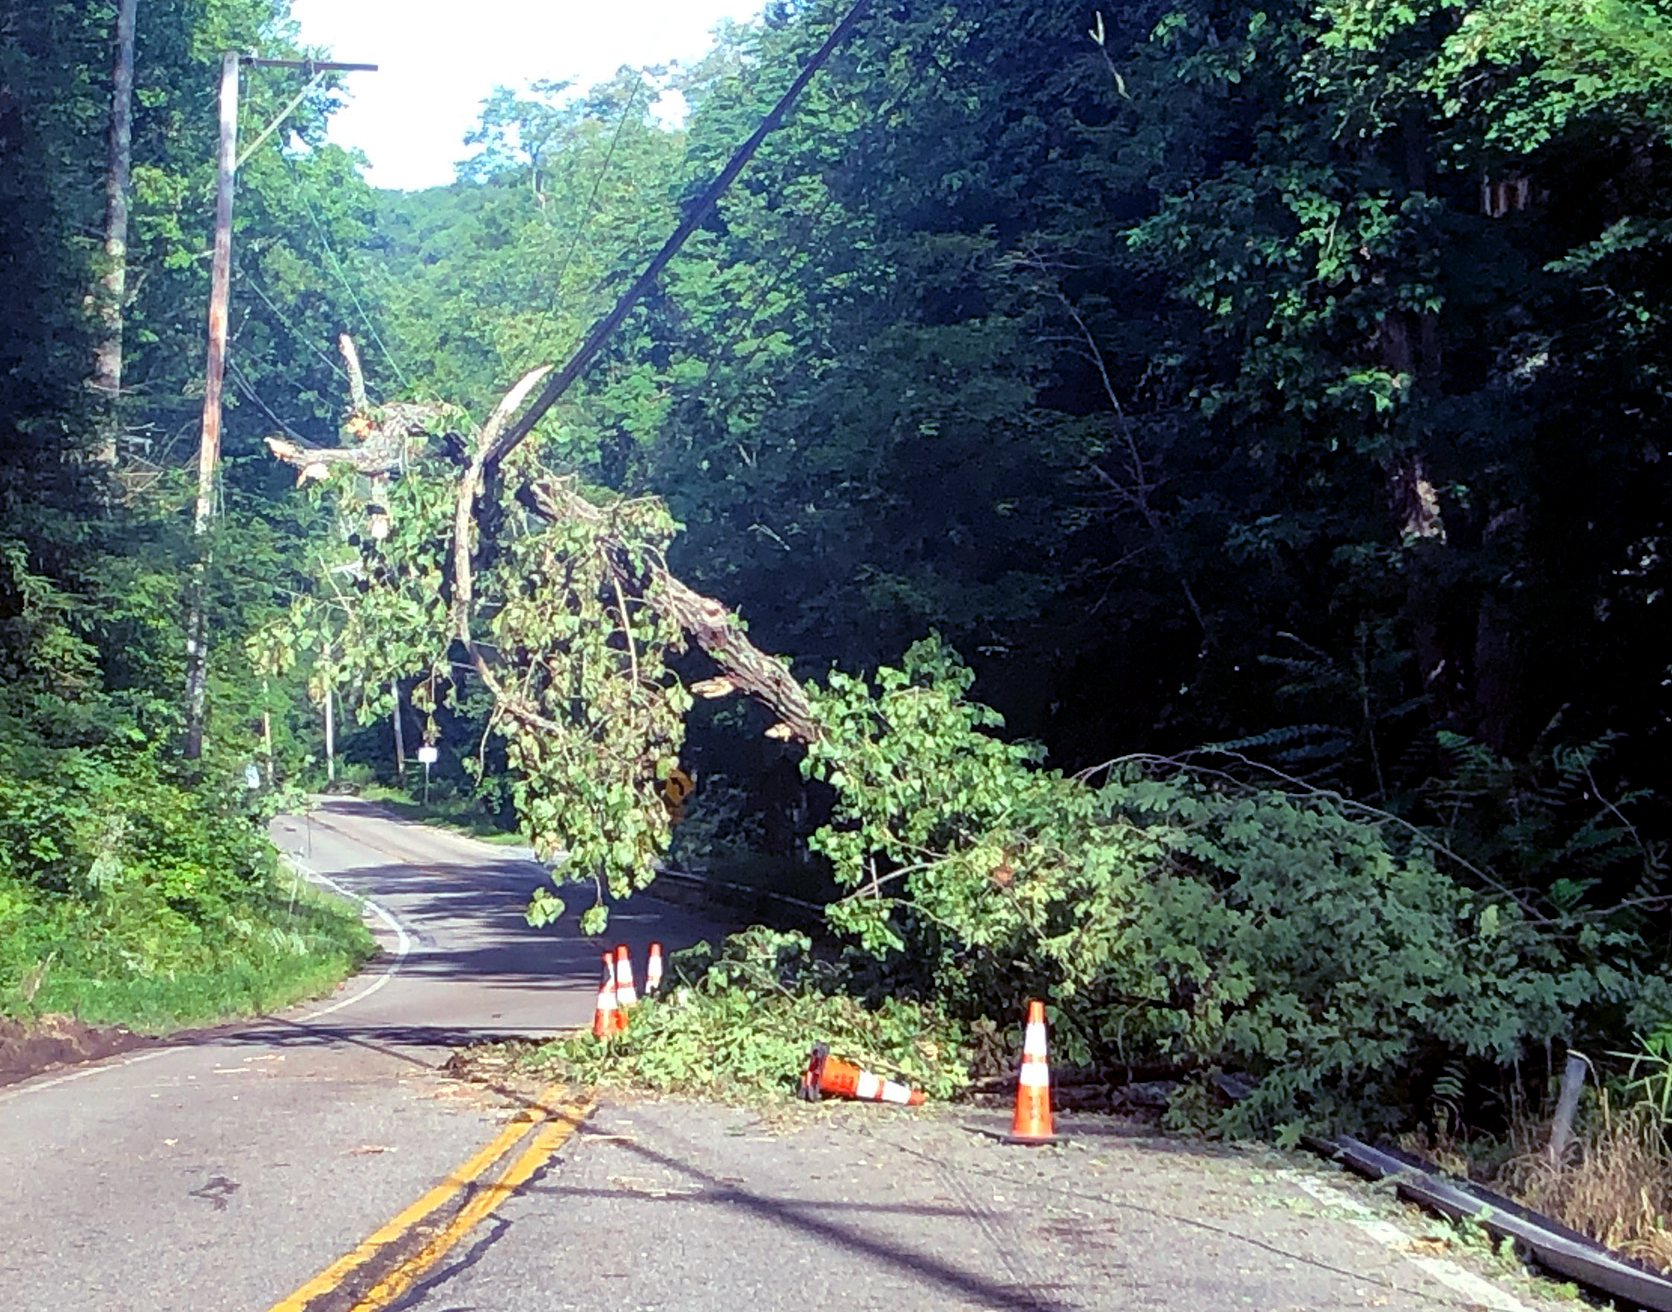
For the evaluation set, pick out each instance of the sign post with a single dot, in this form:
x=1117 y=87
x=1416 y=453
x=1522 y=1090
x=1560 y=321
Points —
x=427 y=757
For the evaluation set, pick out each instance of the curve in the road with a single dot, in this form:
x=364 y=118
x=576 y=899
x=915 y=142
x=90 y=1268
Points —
x=403 y=945
x=403 y=940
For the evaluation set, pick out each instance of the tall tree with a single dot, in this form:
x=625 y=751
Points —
x=1284 y=375
x=113 y=281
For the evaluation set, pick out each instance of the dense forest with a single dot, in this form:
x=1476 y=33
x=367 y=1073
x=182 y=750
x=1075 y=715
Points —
x=1207 y=463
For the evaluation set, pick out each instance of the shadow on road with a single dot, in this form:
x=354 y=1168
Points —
x=805 y=1216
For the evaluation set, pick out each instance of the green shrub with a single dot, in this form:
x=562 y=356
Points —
x=127 y=896
x=737 y=1023
x=105 y=824
x=1181 y=918
x=138 y=964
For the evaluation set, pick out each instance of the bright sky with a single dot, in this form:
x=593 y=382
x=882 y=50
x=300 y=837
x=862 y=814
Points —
x=439 y=59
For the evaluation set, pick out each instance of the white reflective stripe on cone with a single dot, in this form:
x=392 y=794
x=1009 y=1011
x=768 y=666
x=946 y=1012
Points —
x=1035 y=1075
x=1033 y=1042
x=892 y=1092
x=869 y=1087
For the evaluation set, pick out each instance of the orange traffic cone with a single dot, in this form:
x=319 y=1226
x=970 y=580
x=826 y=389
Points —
x=625 y=994
x=831 y=1075
x=653 y=970
x=1032 y=1123
x=606 y=1019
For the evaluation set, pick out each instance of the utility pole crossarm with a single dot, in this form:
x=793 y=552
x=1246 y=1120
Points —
x=309 y=66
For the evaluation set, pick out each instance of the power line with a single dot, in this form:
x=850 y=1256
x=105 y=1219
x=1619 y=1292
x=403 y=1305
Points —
x=342 y=277
x=597 y=185
x=695 y=214
x=294 y=331
x=243 y=384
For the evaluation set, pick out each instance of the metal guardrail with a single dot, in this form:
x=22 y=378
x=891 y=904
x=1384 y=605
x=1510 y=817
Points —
x=726 y=891
x=1564 y=1251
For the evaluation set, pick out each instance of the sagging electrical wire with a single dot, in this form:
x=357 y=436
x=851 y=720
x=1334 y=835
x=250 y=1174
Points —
x=342 y=276
x=586 y=212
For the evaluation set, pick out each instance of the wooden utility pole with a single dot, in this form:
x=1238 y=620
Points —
x=220 y=294
x=267 y=731
x=209 y=444
x=695 y=214
x=330 y=734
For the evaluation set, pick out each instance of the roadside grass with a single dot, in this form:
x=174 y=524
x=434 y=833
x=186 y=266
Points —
x=445 y=810
x=1613 y=1184
x=289 y=943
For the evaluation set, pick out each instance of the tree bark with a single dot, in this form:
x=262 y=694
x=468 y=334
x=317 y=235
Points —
x=113 y=283
x=706 y=622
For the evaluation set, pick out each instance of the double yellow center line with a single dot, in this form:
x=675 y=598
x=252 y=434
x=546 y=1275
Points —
x=550 y=1119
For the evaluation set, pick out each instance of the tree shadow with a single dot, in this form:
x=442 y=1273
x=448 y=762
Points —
x=894 y=1256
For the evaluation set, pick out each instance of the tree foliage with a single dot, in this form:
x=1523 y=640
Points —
x=121 y=865
x=1324 y=955
x=1286 y=380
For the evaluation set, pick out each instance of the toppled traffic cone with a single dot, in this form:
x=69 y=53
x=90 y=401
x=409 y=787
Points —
x=839 y=1079
x=1032 y=1123
x=606 y=1019
x=625 y=994
x=653 y=969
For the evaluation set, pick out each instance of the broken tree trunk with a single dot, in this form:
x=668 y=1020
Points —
x=394 y=445
x=388 y=435
x=707 y=622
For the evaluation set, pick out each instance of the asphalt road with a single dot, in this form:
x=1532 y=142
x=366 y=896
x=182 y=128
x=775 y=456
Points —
x=222 y=1172
x=671 y=1206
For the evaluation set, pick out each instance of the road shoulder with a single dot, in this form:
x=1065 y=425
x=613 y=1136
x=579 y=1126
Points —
x=693 y=1205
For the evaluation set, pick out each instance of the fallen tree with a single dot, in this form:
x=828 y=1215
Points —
x=1326 y=955
x=562 y=602
x=558 y=598
x=1322 y=953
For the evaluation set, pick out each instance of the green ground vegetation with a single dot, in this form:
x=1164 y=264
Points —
x=136 y=887
x=128 y=899
x=1264 y=405
x=462 y=811
x=735 y=1021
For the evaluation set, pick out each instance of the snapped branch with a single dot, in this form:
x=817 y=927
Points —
x=707 y=622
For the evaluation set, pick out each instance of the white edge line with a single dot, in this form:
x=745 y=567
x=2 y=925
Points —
x=1448 y=1273
x=403 y=945
x=403 y=940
